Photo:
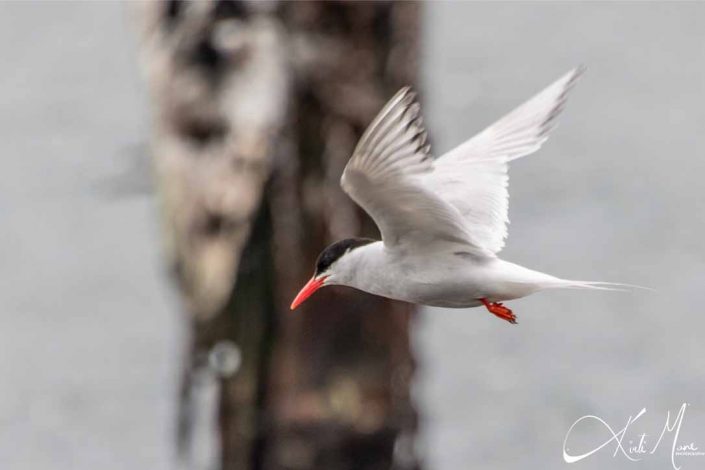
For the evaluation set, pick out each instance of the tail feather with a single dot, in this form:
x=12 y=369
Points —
x=595 y=285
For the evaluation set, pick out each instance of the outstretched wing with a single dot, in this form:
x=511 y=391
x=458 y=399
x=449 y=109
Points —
x=473 y=176
x=385 y=176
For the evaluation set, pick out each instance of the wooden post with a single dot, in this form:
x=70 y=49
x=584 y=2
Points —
x=257 y=107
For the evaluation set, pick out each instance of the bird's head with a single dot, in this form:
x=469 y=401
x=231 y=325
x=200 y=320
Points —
x=332 y=267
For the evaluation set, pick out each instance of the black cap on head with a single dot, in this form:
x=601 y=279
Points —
x=333 y=252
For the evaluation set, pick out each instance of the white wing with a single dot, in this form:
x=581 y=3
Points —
x=385 y=177
x=473 y=176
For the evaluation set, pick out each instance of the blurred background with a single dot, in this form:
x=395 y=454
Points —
x=93 y=330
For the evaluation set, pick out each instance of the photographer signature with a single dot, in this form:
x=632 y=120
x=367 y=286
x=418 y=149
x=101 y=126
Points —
x=636 y=451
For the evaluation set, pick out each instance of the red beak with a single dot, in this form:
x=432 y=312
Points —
x=311 y=286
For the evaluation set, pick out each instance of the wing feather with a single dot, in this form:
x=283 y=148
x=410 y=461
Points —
x=473 y=176
x=462 y=197
x=383 y=177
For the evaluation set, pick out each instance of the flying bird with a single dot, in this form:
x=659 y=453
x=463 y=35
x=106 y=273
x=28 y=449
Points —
x=442 y=220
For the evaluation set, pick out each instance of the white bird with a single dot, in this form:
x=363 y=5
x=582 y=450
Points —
x=442 y=220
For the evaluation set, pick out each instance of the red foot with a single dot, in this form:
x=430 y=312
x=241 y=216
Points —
x=500 y=310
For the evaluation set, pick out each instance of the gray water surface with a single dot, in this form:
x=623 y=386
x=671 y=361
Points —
x=89 y=329
x=616 y=194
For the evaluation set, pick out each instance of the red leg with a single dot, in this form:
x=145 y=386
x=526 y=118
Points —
x=500 y=310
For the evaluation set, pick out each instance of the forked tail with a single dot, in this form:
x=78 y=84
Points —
x=595 y=285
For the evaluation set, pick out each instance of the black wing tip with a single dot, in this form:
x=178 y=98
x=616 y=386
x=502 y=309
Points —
x=579 y=70
x=406 y=89
x=405 y=94
x=575 y=75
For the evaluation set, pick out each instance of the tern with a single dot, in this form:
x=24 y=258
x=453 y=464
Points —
x=442 y=220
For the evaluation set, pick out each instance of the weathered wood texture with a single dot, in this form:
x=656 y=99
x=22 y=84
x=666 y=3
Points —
x=257 y=107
